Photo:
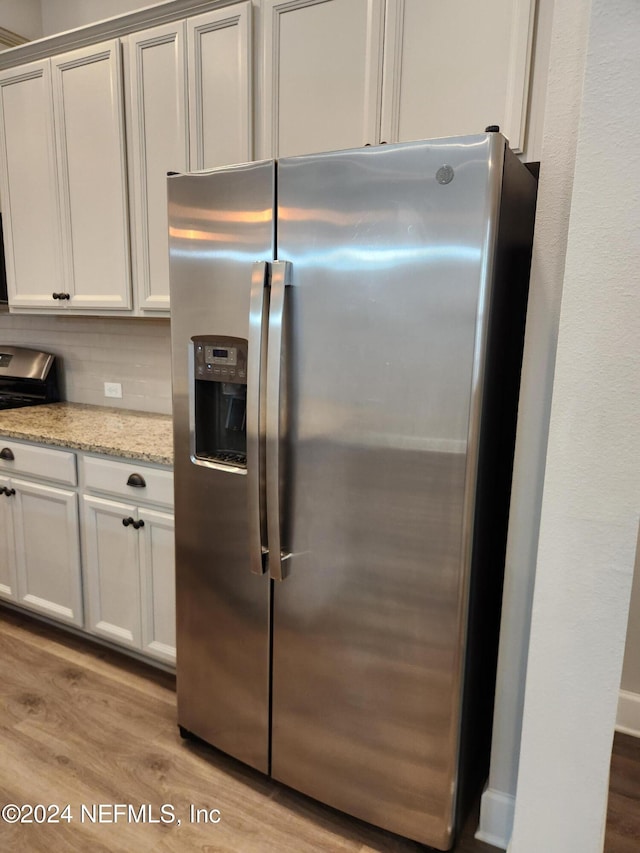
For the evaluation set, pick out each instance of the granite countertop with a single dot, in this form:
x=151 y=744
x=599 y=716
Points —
x=96 y=429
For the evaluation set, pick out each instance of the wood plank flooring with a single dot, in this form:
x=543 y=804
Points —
x=623 y=815
x=80 y=724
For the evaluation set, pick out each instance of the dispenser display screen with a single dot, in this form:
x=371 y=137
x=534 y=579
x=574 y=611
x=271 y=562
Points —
x=221 y=355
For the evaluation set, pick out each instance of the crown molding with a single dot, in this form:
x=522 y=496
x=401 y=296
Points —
x=122 y=25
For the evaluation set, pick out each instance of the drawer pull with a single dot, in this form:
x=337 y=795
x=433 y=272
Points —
x=136 y=480
x=7 y=453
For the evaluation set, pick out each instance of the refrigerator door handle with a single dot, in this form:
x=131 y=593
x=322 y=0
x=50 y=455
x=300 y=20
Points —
x=280 y=280
x=255 y=419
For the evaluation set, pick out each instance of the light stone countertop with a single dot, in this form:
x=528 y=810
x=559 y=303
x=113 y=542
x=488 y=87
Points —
x=96 y=429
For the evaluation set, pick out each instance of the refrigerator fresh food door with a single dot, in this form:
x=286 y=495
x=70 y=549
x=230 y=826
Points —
x=221 y=240
x=390 y=250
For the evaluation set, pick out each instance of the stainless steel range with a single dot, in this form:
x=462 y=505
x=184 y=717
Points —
x=28 y=377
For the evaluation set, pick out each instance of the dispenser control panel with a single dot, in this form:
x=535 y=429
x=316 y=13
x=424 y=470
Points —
x=220 y=359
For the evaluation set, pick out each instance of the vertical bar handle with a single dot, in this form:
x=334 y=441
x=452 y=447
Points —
x=280 y=280
x=255 y=419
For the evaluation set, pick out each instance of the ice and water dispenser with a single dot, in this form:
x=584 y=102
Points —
x=220 y=392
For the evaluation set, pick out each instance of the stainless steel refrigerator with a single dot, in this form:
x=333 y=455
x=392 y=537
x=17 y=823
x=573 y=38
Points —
x=346 y=334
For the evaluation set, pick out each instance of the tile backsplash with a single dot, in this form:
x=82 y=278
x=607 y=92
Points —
x=95 y=350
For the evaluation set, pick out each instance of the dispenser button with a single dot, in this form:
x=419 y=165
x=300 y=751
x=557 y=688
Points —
x=242 y=374
x=216 y=370
x=232 y=372
x=224 y=371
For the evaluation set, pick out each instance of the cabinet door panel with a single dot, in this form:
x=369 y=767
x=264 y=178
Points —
x=112 y=571
x=28 y=183
x=47 y=547
x=159 y=143
x=454 y=68
x=322 y=75
x=220 y=91
x=91 y=156
x=157 y=567
x=8 y=583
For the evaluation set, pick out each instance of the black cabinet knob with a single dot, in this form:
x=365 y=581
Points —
x=136 y=480
x=127 y=521
x=7 y=492
x=65 y=296
x=138 y=524
x=7 y=453
x=55 y=295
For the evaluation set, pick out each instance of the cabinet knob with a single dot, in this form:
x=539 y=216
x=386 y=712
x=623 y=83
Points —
x=7 y=453
x=65 y=296
x=136 y=480
x=55 y=295
x=138 y=524
x=7 y=492
x=127 y=521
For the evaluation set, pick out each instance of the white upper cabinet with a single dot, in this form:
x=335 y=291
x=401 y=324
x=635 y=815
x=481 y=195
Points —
x=89 y=123
x=158 y=142
x=189 y=107
x=322 y=75
x=453 y=68
x=220 y=91
x=28 y=185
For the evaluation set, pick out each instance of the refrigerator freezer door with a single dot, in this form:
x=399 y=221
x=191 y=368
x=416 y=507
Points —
x=220 y=224
x=389 y=251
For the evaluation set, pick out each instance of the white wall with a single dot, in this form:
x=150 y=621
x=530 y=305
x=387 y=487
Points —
x=631 y=668
x=134 y=352
x=591 y=499
x=566 y=59
x=628 y=719
x=61 y=15
x=23 y=17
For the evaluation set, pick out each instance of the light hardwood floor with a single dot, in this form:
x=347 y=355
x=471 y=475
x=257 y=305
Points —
x=81 y=724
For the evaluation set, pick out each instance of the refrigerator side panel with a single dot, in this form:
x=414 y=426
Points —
x=388 y=248
x=220 y=224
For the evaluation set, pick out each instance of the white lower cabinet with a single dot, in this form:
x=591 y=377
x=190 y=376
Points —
x=129 y=557
x=122 y=512
x=41 y=551
x=39 y=526
x=8 y=580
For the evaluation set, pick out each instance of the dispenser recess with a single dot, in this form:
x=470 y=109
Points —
x=220 y=397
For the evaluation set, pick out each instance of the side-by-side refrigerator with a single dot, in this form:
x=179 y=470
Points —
x=346 y=333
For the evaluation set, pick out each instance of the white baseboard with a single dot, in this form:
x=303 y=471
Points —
x=628 y=719
x=496 y=818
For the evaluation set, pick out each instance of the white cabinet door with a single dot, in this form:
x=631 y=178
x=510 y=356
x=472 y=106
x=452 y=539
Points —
x=47 y=549
x=322 y=75
x=29 y=188
x=112 y=571
x=456 y=67
x=158 y=143
x=220 y=90
x=88 y=109
x=8 y=582
x=157 y=566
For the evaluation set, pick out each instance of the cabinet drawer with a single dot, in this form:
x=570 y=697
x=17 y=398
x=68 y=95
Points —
x=103 y=475
x=56 y=465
